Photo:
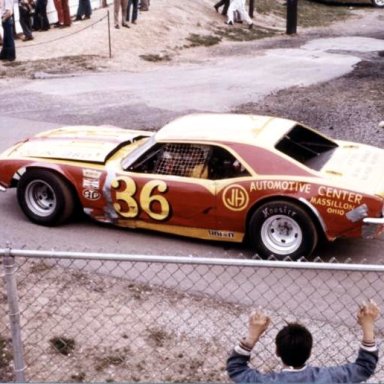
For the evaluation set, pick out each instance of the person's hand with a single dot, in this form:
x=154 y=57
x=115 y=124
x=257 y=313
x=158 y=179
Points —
x=366 y=317
x=257 y=325
x=368 y=313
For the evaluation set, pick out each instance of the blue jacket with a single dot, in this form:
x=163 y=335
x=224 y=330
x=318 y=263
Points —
x=360 y=370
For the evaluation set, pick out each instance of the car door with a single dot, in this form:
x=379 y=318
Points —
x=167 y=189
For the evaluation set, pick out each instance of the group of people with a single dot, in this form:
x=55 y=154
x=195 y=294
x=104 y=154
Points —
x=33 y=17
x=232 y=9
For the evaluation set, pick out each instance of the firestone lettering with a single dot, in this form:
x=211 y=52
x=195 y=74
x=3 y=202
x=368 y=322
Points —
x=278 y=211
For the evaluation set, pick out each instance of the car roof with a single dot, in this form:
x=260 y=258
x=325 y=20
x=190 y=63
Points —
x=228 y=127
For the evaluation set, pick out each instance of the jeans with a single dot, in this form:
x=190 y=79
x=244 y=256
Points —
x=84 y=9
x=8 y=51
x=135 y=6
x=25 y=21
x=40 y=19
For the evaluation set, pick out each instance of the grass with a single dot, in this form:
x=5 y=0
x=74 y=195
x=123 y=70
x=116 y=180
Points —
x=158 y=336
x=154 y=58
x=310 y=14
x=314 y=14
x=63 y=345
x=202 y=40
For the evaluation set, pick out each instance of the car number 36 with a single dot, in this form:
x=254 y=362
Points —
x=150 y=200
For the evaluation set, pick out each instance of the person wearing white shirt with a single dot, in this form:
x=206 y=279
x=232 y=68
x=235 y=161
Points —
x=239 y=6
x=8 y=51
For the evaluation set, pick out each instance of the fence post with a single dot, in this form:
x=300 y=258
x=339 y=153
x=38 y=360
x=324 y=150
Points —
x=109 y=35
x=251 y=8
x=14 y=315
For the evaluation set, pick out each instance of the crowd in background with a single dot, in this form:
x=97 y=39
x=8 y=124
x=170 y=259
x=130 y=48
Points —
x=33 y=17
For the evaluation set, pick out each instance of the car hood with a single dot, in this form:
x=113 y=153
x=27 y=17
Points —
x=357 y=165
x=77 y=143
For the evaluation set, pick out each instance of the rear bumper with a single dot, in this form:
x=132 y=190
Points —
x=373 y=227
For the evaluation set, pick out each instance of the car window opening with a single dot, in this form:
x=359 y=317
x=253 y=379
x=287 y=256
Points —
x=307 y=147
x=189 y=160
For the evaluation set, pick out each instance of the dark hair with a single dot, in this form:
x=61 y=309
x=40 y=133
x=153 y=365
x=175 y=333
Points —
x=294 y=345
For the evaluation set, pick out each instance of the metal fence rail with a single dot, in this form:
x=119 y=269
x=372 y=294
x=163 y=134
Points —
x=103 y=317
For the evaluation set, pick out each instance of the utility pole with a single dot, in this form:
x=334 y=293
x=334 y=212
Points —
x=251 y=8
x=291 y=16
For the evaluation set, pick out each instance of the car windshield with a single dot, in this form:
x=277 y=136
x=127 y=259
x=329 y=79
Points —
x=142 y=145
x=307 y=147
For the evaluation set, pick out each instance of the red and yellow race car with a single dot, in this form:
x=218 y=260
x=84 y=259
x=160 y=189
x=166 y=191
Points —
x=227 y=177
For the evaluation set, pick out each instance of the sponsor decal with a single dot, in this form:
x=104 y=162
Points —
x=91 y=194
x=340 y=194
x=91 y=174
x=91 y=183
x=221 y=234
x=235 y=197
x=286 y=186
x=337 y=201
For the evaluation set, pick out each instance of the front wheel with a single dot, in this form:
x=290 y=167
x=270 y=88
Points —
x=45 y=197
x=378 y=3
x=282 y=229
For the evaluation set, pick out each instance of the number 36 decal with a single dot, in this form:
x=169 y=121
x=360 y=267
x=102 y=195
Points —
x=150 y=200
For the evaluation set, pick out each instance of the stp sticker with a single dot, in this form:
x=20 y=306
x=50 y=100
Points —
x=91 y=194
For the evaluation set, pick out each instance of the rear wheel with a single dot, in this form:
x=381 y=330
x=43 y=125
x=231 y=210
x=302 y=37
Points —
x=45 y=197
x=378 y=3
x=282 y=229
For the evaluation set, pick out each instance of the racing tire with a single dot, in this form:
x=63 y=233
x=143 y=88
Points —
x=282 y=229
x=45 y=197
x=378 y=3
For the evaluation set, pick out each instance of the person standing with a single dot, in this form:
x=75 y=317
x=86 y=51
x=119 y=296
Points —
x=239 y=6
x=63 y=15
x=40 y=19
x=25 y=10
x=123 y=4
x=220 y=4
x=84 y=9
x=8 y=50
x=135 y=6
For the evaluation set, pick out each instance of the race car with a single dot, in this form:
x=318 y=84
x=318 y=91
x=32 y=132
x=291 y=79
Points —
x=272 y=182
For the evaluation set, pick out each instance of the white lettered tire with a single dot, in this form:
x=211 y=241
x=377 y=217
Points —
x=282 y=229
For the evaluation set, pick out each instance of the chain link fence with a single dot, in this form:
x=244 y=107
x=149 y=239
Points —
x=94 y=317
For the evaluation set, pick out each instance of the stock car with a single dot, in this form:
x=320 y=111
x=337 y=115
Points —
x=273 y=182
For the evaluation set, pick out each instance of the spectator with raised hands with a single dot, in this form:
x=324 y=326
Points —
x=294 y=345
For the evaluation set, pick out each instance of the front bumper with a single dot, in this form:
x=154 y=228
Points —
x=373 y=227
x=2 y=189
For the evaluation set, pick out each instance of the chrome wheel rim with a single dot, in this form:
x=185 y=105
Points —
x=379 y=3
x=40 y=198
x=281 y=235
